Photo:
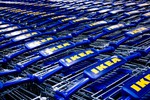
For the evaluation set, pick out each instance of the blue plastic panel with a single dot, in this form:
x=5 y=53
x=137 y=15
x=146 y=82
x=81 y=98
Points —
x=34 y=44
x=102 y=67
x=137 y=31
x=8 y=35
x=138 y=86
x=78 y=57
x=24 y=36
x=114 y=27
x=56 y=48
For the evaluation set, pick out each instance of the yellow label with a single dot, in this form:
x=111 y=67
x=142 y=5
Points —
x=77 y=20
x=33 y=33
x=23 y=12
x=78 y=56
x=142 y=83
x=97 y=23
x=138 y=30
x=47 y=39
x=58 y=17
x=37 y=43
x=66 y=19
x=50 y=50
x=115 y=26
x=105 y=65
x=25 y=30
x=95 y=71
x=48 y=14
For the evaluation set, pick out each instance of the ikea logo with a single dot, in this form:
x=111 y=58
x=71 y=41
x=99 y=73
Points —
x=81 y=19
x=44 y=15
x=9 y=29
x=47 y=39
x=30 y=34
x=142 y=83
x=115 y=26
x=34 y=44
x=138 y=30
x=16 y=33
x=58 y=17
x=38 y=13
x=54 y=48
x=24 y=36
x=67 y=19
x=105 y=65
x=78 y=56
x=98 y=23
